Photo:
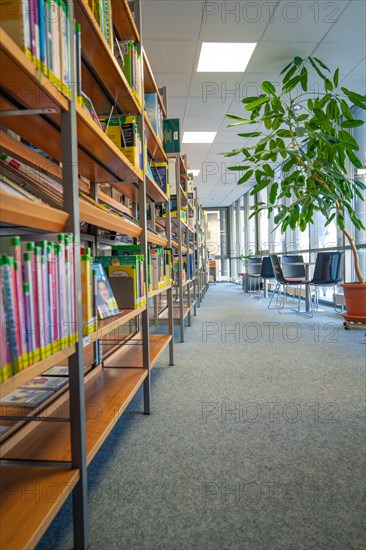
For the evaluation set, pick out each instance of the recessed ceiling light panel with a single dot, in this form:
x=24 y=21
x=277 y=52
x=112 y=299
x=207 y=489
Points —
x=199 y=137
x=225 y=57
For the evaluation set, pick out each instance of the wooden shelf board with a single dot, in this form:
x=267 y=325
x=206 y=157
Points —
x=156 y=239
x=124 y=22
x=26 y=374
x=94 y=215
x=112 y=323
x=107 y=394
x=150 y=84
x=176 y=313
x=154 y=145
x=159 y=291
x=20 y=77
x=31 y=498
x=26 y=213
x=130 y=355
x=99 y=56
x=154 y=191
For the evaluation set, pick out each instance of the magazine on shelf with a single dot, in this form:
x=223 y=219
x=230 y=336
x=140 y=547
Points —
x=57 y=371
x=106 y=302
x=53 y=383
x=26 y=398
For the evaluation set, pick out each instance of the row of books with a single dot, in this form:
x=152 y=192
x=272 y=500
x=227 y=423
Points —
x=154 y=113
x=102 y=11
x=37 y=300
x=132 y=66
x=41 y=29
x=33 y=393
x=159 y=265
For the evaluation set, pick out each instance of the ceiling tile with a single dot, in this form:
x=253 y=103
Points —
x=177 y=84
x=167 y=55
x=178 y=20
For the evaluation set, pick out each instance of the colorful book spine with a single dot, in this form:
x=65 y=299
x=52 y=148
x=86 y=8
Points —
x=47 y=318
x=86 y=295
x=55 y=14
x=53 y=296
x=17 y=254
x=42 y=36
x=64 y=48
x=78 y=60
x=39 y=303
x=34 y=25
x=31 y=321
x=8 y=289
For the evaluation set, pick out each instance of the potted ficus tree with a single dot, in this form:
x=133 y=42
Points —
x=309 y=135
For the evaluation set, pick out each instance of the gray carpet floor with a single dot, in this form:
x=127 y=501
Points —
x=256 y=440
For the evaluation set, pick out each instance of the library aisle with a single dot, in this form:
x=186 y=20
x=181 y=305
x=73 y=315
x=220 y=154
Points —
x=248 y=445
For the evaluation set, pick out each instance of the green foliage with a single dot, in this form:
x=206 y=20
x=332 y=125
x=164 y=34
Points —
x=309 y=135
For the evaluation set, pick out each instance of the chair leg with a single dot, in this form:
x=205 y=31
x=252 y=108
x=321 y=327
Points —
x=275 y=292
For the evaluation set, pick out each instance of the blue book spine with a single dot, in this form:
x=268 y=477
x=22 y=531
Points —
x=42 y=36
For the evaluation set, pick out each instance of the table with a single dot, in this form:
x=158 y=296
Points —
x=307 y=287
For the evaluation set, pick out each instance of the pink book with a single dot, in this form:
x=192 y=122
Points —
x=17 y=253
x=53 y=295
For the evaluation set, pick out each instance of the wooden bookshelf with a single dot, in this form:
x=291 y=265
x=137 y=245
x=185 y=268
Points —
x=99 y=58
x=31 y=498
x=123 y=20
x=106 y=220
x=176 y=313
x=153 y=293
x=154 y=145
x=23 y=212
x=156 y=239
x=26 y=374
x=112 y=323
x=131 y=355
x=20 y=77
x=108 y=392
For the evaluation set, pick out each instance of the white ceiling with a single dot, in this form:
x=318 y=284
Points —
x=173 y=31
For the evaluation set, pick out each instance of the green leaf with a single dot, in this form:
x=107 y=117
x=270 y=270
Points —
x=346 y=111
x=237 y=168
x=288 y=75
x=355 y=160
x=291 y=84
x=297 y=61
x=287 y=67
x=268 y=88
x=330 y=219
x=260 y=186
x=267 y=168
x=304 y=79
x=245 y=178
x=310 y=104
x=235 y=117
x=256 y=103
x=322 y=75
x=360 y=184
x=319 y=114
x=288 y=165
x=336 y=77
x=284 y=133
x=356 y=99
x=321 y=64
x=273 y=193
x=249 y=99
x=352 y=123
x=250 y=134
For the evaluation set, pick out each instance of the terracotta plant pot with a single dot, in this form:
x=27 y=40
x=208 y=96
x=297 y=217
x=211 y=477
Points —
x=355 y=298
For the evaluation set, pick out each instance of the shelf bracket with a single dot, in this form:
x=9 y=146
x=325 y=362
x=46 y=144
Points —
x=27 y=112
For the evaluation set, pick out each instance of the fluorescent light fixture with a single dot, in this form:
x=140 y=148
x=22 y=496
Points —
x=361 y=172
x=199 y=137
x=194 y=172
x=225 y=57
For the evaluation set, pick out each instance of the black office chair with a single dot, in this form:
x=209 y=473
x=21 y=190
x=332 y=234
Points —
x=328 y=272
x=293 y=267
x=254 y=269
x=267 y=272
x=285 y=283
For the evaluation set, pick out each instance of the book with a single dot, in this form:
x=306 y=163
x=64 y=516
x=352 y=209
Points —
x=26 y=398
x=52 y=383
x=57 y=371
x=15 y=20
x=106 y=302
